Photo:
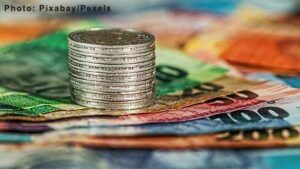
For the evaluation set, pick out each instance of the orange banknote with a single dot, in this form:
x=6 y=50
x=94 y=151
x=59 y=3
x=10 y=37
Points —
x=272 y=45
x=264 y=50
x=11 y=32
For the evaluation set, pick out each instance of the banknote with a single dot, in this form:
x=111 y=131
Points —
x=265 y=76
x=12 y=32
x=235 y=44
x=75 y=157
x=222 y=7
x=272 y=114
x=270 y=6
x=254 y=95
x=208 y=57
x=293 y=81
x=275 y=47
x=34 y=75
x=212 y=41
x=259 y=138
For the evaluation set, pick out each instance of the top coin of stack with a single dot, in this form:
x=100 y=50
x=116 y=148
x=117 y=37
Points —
x=112 y=68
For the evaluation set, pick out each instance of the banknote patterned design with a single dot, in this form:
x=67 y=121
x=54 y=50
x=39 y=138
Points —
x=34 y=75
x=272 y=114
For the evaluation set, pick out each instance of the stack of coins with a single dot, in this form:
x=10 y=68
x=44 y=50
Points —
x=112 y=68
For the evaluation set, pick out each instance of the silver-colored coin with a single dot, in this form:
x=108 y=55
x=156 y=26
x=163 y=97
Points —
x=113 y=92
x=123 y=64
x=101 y=48
x=116 y=92
x=113 y=74
x=104 y=51
x=113 y=60
x=100 y=83
x=111 y=49
x=112 y=96
x=112 y=105
x=111 y=68
x=97 y=88
x=111 y=37
x=107 y=78
x=111 y=41
x=96 y=54
x=113 y=71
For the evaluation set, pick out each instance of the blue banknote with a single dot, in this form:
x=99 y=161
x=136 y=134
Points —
x=65 y=158
x=293 y=81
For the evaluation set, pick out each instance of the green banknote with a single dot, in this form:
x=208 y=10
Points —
x=34 y=75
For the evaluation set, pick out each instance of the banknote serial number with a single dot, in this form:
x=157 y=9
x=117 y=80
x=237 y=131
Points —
x=57 y=8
